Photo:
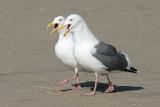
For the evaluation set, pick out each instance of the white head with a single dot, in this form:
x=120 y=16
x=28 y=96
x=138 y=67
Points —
x=56 y=23
x=74 y=22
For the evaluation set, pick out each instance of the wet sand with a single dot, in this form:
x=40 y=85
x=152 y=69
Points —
x=29 y=68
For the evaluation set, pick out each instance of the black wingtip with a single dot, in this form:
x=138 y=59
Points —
x=132 y=70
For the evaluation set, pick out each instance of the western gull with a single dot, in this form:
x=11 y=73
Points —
x=94 y=55
x=64 y=49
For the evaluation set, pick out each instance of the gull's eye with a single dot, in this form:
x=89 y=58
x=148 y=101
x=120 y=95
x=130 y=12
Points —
x=60 y=19
x=71 y=19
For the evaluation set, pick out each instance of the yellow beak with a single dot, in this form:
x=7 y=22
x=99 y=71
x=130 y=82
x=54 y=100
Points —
x=54 y=29
x=57 y=29
x=50 y=24
x=66 y=32
x=62 y=27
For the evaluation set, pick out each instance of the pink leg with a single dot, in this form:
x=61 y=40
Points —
x=65 y=81
x=110 y=88
x=77 y=87
x=76 y=76
x=95 y=86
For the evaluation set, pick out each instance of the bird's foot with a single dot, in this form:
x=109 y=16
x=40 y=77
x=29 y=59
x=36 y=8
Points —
x=77 y=87
x=89 y=94
x=110 y=89
x=61 y=82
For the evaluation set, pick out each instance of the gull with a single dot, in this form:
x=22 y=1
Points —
x=94 y=55
x=64 y=50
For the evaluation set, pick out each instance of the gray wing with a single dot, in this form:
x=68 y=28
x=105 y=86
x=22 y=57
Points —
x=108 y=55
x=105 y=49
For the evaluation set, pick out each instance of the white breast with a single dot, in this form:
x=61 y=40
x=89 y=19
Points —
x=83 y=54
x=64 y=51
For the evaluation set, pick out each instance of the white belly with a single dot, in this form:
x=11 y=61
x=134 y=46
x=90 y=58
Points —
x=64 y=51
x=84 y=57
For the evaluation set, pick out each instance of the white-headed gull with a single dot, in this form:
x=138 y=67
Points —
x=94 y=55
x=64 y=49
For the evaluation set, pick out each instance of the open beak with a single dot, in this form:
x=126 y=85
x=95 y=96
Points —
x=53 y=26
x=62 y=27
x=50 y=25
x=66 y=32
x=54 y=30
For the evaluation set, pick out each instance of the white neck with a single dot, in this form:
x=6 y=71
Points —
x=61 y=34
x=83 y=34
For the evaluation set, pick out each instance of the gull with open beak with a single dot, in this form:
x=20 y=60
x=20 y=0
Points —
x=64 y=49
x=94 y=55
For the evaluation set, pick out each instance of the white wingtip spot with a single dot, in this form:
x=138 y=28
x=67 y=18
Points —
x=127 y=58
x=138 y=72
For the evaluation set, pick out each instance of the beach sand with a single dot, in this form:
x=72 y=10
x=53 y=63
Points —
x=29 y=68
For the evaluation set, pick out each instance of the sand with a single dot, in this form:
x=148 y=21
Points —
x=29 y=68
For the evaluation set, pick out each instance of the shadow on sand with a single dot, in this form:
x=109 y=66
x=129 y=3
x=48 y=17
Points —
x=102 y=87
